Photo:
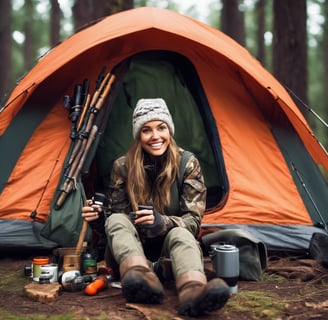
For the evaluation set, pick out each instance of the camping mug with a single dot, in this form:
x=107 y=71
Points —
x=51 y=269
x=226 y=264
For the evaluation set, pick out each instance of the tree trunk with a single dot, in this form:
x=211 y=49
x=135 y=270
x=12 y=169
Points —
x=325 y=54
x=28 y=30
x=260 y=12
x=232 y=20
x=82 y=13
x=105 y=8
x=55 y=23
x=6 y=46
x=324 y=48
x=86 y=11
x=290 y=46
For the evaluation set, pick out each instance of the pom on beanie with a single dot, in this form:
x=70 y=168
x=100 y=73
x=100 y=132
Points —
x=149 y=110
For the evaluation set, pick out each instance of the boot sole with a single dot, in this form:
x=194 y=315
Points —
x=139 y=291
x=213 y=299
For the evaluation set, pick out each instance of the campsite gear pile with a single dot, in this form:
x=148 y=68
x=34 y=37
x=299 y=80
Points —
x=225 y=106
x=75 y=268
x=54 y=275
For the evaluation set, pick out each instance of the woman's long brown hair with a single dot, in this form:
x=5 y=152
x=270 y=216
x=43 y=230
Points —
x=138 y=187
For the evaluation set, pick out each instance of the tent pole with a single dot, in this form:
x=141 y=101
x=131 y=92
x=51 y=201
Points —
x=310 y=196
x=307 y=107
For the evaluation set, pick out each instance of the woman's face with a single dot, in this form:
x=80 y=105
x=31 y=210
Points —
x=155 y=137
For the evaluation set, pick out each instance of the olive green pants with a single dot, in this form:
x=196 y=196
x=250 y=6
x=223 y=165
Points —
x=179 y=245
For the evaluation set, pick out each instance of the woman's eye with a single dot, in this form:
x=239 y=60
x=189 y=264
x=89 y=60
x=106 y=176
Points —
x=145 y=130
x=163 y=127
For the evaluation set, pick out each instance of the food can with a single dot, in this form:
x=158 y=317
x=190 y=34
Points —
x=51 y=270
x=226 y=264
x=89 y=264
x=37 y=263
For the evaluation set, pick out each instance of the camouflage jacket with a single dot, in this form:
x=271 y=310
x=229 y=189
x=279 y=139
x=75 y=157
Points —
x=188 y=200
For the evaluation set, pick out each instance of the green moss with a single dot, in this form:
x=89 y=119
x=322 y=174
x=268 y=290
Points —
x=5 y=315
x=13 y=280
x=258 y=305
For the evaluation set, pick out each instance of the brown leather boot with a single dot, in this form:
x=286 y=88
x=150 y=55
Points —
x=196 y=296
x=139 y=283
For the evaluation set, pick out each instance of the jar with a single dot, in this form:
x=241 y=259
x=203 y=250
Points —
x=89 y=264
x=37 y=263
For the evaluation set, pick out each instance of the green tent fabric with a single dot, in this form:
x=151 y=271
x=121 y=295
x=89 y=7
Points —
x=150 y=78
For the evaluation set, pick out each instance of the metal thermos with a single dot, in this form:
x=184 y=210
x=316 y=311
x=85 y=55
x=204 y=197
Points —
x=226 y=263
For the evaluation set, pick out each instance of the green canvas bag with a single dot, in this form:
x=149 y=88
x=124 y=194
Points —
x=252 y=252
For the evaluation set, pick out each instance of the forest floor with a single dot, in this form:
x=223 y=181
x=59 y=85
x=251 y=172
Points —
x=290 y=288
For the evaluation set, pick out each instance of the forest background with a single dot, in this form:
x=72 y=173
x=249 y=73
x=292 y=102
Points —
x=289 y=37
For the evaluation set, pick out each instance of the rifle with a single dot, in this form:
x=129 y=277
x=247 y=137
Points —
x=86 y=134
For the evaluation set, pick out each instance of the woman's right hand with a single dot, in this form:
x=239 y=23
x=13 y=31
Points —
x=90 y=211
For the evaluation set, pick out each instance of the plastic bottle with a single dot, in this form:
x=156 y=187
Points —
x=98 y=284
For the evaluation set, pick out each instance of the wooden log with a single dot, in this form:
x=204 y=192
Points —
x=45 y=293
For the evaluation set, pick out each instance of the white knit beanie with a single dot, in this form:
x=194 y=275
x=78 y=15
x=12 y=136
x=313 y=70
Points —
x=149 y=110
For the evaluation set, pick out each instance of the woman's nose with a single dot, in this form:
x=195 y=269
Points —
x=155 y=134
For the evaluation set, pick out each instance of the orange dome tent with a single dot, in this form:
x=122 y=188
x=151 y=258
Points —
x=259 y=155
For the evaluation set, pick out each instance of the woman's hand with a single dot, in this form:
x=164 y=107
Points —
x=144 y=216
x=90 y=211
x=150 y=223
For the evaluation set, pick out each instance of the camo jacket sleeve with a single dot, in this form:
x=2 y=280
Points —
x=192 y=198
x=118 y=197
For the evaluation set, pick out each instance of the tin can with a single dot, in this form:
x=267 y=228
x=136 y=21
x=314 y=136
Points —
x=89 y=264
x=28 y=271
x=226 y=264
x=37 y=263
x=51 y=270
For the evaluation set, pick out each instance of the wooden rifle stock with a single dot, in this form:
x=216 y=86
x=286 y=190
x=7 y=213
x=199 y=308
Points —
x=83 y=232
x=84 y=110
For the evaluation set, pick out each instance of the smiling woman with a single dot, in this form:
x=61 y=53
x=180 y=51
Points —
x=147 y=175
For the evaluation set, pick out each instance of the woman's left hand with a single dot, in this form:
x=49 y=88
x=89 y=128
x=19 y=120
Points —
x=144 y=216
x=150 y=223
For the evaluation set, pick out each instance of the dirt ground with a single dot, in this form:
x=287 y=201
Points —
x=291 y=288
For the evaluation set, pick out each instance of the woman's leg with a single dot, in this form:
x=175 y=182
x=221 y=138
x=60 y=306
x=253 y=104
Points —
x=139 y=282
x=196 y=296
x=184 y=251
x=123 y=239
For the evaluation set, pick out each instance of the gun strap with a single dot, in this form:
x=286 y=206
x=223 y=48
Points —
x=182 y=167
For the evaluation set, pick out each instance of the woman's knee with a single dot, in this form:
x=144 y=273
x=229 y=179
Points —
x=180 y=235
x=117 y=220
x=179 y=232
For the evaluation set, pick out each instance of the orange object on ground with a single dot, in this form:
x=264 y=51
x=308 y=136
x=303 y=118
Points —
x=94 y=287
